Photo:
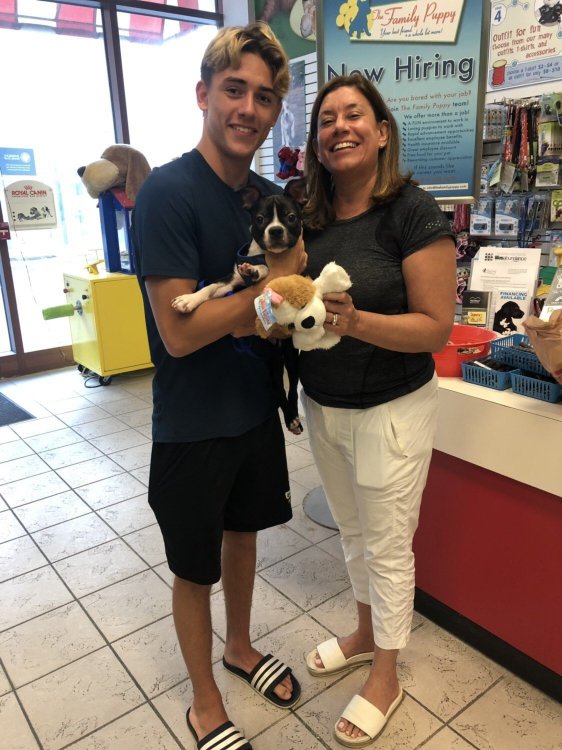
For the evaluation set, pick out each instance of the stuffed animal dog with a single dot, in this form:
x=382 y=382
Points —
x=294 y=303
x=120 y=166
x=276 y=226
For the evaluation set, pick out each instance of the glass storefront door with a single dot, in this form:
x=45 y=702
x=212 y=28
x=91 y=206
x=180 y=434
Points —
x=57 y=110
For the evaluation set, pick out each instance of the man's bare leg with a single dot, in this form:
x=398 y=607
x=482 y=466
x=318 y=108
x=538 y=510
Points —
x=192 y=618
x=238 y=573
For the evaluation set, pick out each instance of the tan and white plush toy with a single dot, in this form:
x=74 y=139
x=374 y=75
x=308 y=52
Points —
x=120 y=166
x=294 y=304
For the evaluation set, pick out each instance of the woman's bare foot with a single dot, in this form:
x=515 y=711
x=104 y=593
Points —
x=380 y=693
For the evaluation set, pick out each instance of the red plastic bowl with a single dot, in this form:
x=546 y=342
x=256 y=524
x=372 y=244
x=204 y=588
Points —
x=465 y=343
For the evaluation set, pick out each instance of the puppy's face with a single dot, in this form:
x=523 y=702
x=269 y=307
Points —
x=276 y=223
x=276 y=219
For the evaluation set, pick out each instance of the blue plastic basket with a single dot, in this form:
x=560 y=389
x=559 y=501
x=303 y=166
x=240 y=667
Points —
x=505 y=350
x=496 y=379
x=541 y=389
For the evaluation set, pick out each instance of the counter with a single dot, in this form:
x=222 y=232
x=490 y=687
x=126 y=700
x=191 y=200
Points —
x=489 y=543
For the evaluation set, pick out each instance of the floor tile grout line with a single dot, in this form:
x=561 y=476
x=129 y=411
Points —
x=118 y=718
x=471 y=702
x=107 y=644
x=310 y=544
x=20 y=704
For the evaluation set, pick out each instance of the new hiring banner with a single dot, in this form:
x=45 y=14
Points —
x=428 y=58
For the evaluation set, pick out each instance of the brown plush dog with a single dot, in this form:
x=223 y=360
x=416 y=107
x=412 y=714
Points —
x=120 y=166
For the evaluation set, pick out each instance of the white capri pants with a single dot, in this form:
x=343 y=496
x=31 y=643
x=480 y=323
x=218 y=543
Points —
x=373 y=464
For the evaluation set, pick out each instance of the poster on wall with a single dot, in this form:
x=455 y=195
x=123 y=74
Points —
x=428 y=60
x=525 y=43
x=31 y=205
x=293 y=22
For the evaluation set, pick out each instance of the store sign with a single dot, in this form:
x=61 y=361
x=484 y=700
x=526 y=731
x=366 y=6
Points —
x=428 y=60
x=16 y=161
x=31 y=205
x=525 y=44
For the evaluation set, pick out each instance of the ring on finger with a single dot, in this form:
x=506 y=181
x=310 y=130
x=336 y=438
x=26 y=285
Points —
x=335 y=319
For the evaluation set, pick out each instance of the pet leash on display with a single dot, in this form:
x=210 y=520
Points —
x=524 y=149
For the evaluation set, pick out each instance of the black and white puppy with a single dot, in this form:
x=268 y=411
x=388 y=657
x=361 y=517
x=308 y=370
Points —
x=276 y=227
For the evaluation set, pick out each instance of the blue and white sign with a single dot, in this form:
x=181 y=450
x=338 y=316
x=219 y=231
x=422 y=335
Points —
x=428 y=59
x=17 y=162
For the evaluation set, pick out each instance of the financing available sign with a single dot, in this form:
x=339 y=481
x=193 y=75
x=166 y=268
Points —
x=428 y=59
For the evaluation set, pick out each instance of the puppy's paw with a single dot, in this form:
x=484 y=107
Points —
x=248 y=271
x=295 y=426
x=185 y=303
x=251 y=273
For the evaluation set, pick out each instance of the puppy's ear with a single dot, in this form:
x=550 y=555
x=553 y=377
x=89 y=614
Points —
x=250 y=196
x=296 y=189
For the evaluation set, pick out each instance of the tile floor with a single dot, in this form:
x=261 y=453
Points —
x=88 y=655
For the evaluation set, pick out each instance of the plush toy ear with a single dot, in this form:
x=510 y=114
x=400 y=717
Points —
x=333 y=278
x=138 y=170
x=296 y=189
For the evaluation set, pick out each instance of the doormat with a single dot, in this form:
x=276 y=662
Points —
x=10 y=412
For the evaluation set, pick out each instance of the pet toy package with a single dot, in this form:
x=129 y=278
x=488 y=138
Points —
x=506 y=220
x=481 y=216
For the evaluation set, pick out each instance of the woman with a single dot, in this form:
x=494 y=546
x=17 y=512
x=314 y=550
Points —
x=371 y=400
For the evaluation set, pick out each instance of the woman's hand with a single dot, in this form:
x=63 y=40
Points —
x=341 y=317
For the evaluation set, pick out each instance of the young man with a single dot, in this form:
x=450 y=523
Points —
x=218 y=470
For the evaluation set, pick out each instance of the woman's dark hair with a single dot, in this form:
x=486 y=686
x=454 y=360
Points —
x=319 y=211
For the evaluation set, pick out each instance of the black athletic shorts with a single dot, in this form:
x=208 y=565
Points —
x=198 y=489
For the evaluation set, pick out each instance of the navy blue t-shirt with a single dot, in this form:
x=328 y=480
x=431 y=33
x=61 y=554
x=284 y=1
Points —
x=187 y=223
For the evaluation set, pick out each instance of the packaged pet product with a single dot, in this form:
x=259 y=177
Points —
x=481 y=216
x=476 y=308
x=553 y=300
x=549 y=173
x=556 y=206
x=506 y=221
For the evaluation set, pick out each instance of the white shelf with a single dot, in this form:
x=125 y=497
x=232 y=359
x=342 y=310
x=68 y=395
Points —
x=512 y=435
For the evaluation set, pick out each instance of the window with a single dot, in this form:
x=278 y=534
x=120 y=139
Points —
x=57 y=105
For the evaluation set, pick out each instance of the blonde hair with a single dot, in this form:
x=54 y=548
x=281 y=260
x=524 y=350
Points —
x=226 y=49
x=319 y=211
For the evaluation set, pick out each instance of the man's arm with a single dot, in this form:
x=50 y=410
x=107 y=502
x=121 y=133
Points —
x=184 y=334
